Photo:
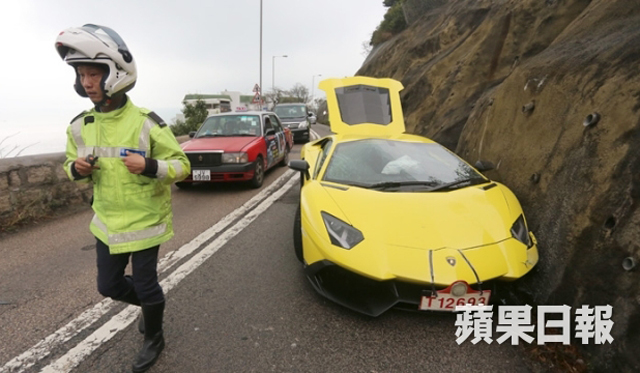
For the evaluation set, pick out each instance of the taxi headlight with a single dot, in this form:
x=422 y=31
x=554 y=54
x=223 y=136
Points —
x=459 y=289
x=341 y=233
x=303 y=124
x=520 y=232
x=240 y=157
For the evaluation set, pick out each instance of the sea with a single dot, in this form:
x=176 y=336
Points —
x=47 y=134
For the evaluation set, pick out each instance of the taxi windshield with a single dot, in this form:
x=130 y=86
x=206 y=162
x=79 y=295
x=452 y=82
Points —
x=396 y=164
x=230 y=125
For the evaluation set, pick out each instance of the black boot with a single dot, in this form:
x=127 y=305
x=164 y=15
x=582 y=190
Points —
x=132 y=298
x=153 y=338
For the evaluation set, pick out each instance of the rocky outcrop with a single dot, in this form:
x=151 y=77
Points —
x=550 y=92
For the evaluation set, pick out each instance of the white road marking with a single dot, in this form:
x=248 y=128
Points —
x=314 y=135
x=75 y=356
x=43 y=348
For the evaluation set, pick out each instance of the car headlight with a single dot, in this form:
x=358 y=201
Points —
x=520 y=232
x=303 y=124
x=341 y=233
x=240 y=157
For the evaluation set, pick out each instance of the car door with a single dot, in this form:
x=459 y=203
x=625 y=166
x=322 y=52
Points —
x=271 y=141
x=280 y=135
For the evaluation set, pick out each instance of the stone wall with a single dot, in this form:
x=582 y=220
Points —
x=36 y=186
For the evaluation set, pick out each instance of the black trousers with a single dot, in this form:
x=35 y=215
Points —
x=114 y=284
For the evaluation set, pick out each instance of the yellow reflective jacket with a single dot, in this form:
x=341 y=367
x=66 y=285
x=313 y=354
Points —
x=132 y=212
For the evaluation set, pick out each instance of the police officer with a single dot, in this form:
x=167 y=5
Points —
x=132 y=158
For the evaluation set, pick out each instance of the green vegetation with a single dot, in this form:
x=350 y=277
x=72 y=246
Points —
x=392 y=24
x=194 y=117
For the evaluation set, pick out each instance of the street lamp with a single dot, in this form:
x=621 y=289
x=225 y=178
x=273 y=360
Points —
x=313 y=88
x=273 y=71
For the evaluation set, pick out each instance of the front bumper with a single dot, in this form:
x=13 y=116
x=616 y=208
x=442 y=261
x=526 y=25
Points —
x=300 y=134
x=225 y=173
x=371 y=297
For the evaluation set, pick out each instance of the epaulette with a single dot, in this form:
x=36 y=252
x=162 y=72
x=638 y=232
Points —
x=156 y=118
x=78 y=116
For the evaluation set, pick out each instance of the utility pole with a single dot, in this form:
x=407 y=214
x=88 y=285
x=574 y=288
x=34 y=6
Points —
x=260 y=87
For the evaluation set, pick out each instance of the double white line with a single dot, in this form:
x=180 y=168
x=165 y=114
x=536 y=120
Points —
x=74 y=357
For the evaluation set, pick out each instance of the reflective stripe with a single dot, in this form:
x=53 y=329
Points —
x=178 y=167
x=76 y=131
x=163 y=170
x=84 y=151
x=99 y=224
x=120 y=238
x=144 y=142
x=105 y=151
x=70 y=172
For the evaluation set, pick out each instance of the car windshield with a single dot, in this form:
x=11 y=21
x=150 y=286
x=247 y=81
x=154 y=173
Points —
x=291 y=111
x=399 y=165
x=230 y=125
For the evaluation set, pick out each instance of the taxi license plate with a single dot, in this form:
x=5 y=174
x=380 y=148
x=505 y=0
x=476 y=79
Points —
x=201 y=175
x=448 y=302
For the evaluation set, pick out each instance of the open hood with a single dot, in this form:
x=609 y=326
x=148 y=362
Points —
x=364 y=106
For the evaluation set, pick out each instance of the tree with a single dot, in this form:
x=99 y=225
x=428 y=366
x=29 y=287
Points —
x=393 y=23
x=194 y=115
x=299 y=92
x=274 y=95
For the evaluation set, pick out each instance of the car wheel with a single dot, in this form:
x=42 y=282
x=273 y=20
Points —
x=258 y=174
x=182 y=185
x=285 y=159
x=297 y=236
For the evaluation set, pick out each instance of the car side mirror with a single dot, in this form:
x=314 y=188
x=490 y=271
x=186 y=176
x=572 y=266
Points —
x=270 y=131
x=192 y=134
x=483 y=166
x=300 y=165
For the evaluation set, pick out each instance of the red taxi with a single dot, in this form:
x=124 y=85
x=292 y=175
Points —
x=232 y=147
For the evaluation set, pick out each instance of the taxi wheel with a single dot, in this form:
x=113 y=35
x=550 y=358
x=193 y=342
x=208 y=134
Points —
x=297 y=236
x=258 y=174
x=285 y=159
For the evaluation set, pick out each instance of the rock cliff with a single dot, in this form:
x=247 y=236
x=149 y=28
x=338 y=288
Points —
x=549 y=91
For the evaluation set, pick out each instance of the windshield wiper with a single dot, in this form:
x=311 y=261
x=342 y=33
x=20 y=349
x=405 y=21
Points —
x=457 y=183
x=398 y=184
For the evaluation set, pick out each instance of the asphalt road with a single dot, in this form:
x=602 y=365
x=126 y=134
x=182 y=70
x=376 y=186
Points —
x=237 y=300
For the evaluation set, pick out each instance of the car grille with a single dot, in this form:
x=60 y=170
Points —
x=291 y=125
x=205 y=159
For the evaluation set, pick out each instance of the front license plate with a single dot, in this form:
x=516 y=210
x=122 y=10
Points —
x=201 y=175
x=448 y=302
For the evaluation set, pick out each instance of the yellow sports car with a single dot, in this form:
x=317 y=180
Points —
x=388 y=219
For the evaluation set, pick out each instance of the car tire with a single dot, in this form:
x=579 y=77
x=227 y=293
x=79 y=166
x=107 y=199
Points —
x=297 y=236
x=285 y=159
x=258 y=175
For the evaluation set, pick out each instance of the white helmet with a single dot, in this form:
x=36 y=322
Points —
x=95 y=44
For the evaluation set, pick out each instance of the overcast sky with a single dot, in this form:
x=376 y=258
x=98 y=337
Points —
x=180 y=47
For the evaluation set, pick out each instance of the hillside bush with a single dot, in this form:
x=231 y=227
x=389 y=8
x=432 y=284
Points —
x=392 y=24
